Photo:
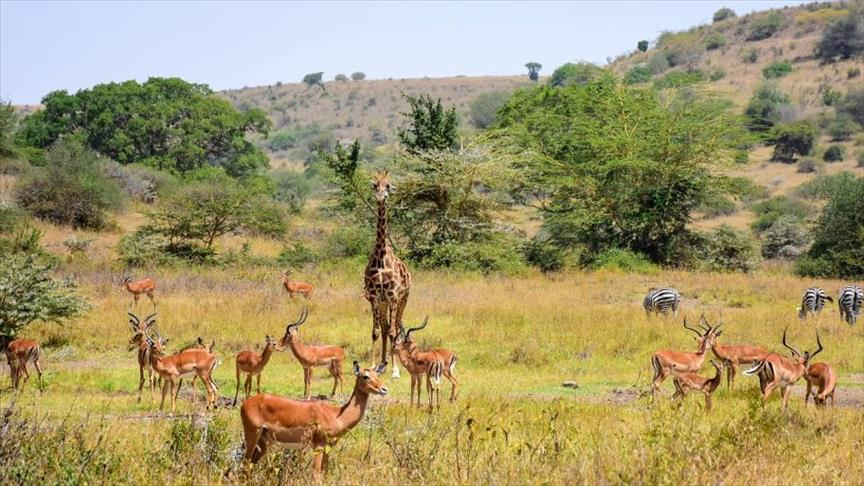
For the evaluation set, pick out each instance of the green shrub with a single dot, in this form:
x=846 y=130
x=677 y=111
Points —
x=860 y=158
x=291 y=187
x=763 y=109
x=830 y=96
x=723 y=14
x=296 y=255
x=853 y=72
x=349 y=241
x=750 y=56
x=717 y=75
x=726 y=249
x=853 y=105
x=842 y=128
x=639 y=73
x=499 y=254
x=624 y=261
x=73 y=174
x=484 y=108
x=280 y=141
x=140 y=249
x=843 y=39
x=791 y=140
x=544 y=255
x=786 y=238
x=809 y=165
x=834 y=153
x=12 y=217
x=822 y=186
x=677 y=79
x=642 y=45
x=715 y=41
x=658 y=63
x=768 y=212
x=777 y=70
x=717 y=206
x=764 y=26
x=579 y=73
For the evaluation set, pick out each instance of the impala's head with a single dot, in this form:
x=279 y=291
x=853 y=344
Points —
x=293 y=328
x=140 y=328
x=805 y=357
x=126 y=280
x=272 y=342
x=368 y=381
x=286 y=275
x=404 y=337
x=707 y=335
x=156 y=345
x=381 y=186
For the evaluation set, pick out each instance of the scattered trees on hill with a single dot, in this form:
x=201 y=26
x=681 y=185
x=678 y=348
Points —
x=715 y=40
x=844 y=39
x=165 y=123
x=534 y=70
x=723 y=14
x=483 y=109
x=638 y=74
x=764 y=108
x=853 y=105
x=430 y=126
x=834 y=153
x=358 y=76
x=642 y=45
x=574 y=73
x=314 y=79
x=765 y=25
x=792 y=139
x=340 y=77
x=777 y=70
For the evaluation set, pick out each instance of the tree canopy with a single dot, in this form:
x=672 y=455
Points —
x=430 y=125
x=165 y=123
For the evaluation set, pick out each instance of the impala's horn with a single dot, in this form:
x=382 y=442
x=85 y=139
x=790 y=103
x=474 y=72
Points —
x=690 y=328
x=303 y=314
x=794 y=351
x=425 y=322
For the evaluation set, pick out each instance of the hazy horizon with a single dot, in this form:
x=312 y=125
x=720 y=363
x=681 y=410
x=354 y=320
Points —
x=46 y=46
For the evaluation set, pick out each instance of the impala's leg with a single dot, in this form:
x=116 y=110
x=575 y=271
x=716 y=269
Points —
x=194 y=391
x=318 y=463
x=237 y=389
x=247 y=385
x=429 y=389
x=164 y=391
x=767 y=389
x=258 y=384
x=259 y=444
x=807 y=394
x=732 y=373
x=707 y=402
x=176 y=393
x=413 y=381
x=335 y=374
x=306 y=384
x=786 y=392
x=38 y=372
x=140 y=382
x=454 y=383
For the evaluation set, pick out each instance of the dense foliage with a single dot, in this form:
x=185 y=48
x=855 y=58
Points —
x=723 y=14
x=764 y=108
x=792 y=139
x=430 y=125
x=483 y=109
x=612 y=166
x=574 y=73
x=8 y=123
x=844 y=39
x=165 y=123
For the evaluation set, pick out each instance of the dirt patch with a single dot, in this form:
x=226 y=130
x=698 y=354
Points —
x=844 y=397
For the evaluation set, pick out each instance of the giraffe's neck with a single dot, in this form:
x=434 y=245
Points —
x=382 y=244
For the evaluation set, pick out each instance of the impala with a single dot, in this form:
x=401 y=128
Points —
x=267 y=418
x=311 y=357
x=433 y=364
x=199 y=344
x=296 y=287
x=139 y=341
x=172 y=369
x=734 y=355
x=18 y=353
x=684 y=382
x=144 y=286
x=253 y=364
x=665 y=361
x=822 y=377
x=775 y=370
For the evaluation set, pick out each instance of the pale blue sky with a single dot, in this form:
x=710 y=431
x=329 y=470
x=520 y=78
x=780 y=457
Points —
x=72 y=45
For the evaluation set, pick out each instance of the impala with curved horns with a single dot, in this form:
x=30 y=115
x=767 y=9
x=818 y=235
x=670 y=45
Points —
x=776 y=370
x=268 y=418
x=311 y=357
x=734 y=355
x=139 y=341
x=296 y=287
x=665 y=361
x=173 y=368
x=434 y=364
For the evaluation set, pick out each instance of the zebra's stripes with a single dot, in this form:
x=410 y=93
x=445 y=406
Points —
x=850 y=301
x=813 y=302
x=661 y=301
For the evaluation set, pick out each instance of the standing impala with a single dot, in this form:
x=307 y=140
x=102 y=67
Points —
x=267 y=418
x=734 y=355
x=18 y=353
x=296 y=287
x=822 y=377
x=433 y=364
x=684 y=382
x=311 y=357
x=665 y=361
x=144 y=286
x=775 y=370
x=139 y=341
x=172 y=369
x=253 y=364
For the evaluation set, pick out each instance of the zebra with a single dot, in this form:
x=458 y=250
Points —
x=851 y=298
x=813 y=302
x=661 y=301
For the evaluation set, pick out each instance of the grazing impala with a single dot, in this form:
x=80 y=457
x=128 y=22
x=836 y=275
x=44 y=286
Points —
x=665 y=361
x=311 y=357
x=139 y=341
x=775 y=370
x=173 y=368
x=296 y=287
x=267 y=418
x=144 y=286
x=18 y=353
x=822 y=377
x=734 y=355
x=253 y=364
x=684 y=382
x=434 y=364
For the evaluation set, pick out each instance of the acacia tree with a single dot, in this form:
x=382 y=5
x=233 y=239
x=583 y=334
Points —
x=642 y=45
x=533 y=70
x=614 y=166
x=314 y=79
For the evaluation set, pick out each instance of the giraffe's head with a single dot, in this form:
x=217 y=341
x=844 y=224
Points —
x=381 y=186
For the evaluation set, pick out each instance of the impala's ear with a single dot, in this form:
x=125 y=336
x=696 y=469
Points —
x=381 y=367
x=356 y=369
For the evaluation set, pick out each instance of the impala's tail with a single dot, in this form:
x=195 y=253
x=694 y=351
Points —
x=757 y=367
x=436 y=372
x=210 y=377
x=655 y=363
x=452 y=366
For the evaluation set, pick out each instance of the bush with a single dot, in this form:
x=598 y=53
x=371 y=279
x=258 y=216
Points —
x=291 y=187
x=141 y=182
x=853 y=105
x=676 y=79
x=726 y=249
x=73 y=174
x=842 y=128
x=717 y=206
x=860 y=158
x=544 y=255
x=786 y=238
x=77 y=245
x=723 y=14
x=777 y=70
x=340 y=77
x=642 y=45
x=764 y=26
x=830 y=96
x=765 y=107
x=574 y=73
x=658 y=63
x=809 y=165
x=624 y=261
x=853 y=72
x=768 y=212
x=715 y=41
x=280 y=141
x=358 y=76
x=349 y=241
x=296 y=255
x=750 y=56
x=638 y=74
x=717 y=75
x=8 y=125
x=498 y=254
x=843 y=39
x=484 y=108
x=834 y=153
x=791 y=140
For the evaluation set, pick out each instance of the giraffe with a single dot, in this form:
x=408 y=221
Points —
x=387 y=280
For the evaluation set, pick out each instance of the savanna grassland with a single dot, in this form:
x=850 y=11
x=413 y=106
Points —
x=518 y=338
